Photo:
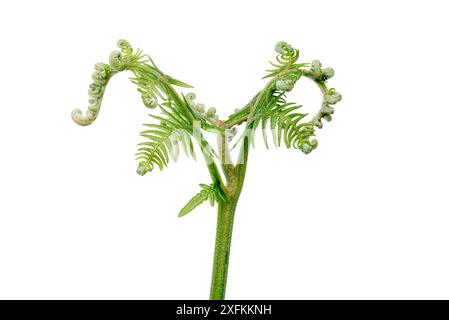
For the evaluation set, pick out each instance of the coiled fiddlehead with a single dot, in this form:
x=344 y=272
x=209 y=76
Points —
x=330 y=96
x=200 y=109
x=151 y=82
x=101 y=76
x=103 y=73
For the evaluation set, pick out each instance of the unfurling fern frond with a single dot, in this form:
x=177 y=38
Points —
x=212 y=192
x=173 y=129
x=151 y=81
x=176 y=122
x=269 y=105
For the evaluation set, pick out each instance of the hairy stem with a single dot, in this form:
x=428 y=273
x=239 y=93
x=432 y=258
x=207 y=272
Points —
x=225 y=222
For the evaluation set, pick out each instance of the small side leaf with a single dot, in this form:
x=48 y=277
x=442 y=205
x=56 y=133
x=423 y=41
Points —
x=212 y=192
x=197 y=199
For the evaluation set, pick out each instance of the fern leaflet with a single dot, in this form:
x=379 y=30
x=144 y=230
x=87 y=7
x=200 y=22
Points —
x=173 y=129
x=212 y=192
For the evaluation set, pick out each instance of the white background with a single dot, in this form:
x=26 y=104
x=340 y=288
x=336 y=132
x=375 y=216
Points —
x=364 y=216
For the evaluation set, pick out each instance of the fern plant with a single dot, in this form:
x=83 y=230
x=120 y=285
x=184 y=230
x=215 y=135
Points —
x=182 y=122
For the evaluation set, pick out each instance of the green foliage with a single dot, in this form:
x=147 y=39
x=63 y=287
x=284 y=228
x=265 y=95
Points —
x=284 y=123
x=175 y=126
x=174 y=129
x=182 y=120
x=283 y=120
x=269 y=106
x=212 y=192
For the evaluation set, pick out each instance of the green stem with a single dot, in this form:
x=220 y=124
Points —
x=225 y=221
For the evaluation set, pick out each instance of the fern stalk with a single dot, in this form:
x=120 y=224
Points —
x=225 y=222
x=182 y=122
